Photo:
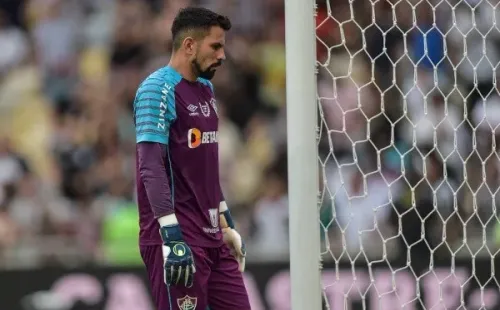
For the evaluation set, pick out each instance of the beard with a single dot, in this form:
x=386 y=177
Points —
x=208 y=73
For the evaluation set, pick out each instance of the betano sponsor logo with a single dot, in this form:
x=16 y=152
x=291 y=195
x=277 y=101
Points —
x=197 y=138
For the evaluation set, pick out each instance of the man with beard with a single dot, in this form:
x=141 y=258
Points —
x=197 y=257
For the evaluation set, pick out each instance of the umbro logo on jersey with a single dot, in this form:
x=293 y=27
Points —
x=192 y=108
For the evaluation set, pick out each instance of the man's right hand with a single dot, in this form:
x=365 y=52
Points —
x=178 y=260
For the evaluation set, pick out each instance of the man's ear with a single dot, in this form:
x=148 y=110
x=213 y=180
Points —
x=189 y=45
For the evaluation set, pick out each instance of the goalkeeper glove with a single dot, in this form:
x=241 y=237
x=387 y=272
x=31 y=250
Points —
x=178 y=260
x=231 y=237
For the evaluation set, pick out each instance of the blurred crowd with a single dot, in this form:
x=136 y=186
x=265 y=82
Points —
x=408 y=129
x=408 y=108
x=69 y=71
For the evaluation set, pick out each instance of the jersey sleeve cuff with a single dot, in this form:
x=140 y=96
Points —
x=152 y=138
x=168 y=220
x=223 y=207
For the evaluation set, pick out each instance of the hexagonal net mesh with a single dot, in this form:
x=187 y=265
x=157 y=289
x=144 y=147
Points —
x=409 y=111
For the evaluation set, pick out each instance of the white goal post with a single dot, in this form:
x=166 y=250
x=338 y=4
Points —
x=302 y=154
x=393 y=119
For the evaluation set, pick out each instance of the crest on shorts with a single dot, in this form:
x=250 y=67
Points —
x=187 y=303
x=214 y=217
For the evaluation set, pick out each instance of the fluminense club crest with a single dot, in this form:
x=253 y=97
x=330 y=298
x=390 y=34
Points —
x=187 y=303
x=205 y=108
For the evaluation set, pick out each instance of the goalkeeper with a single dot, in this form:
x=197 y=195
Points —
x=193 y=255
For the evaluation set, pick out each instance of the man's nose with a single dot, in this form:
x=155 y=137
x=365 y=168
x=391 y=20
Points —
x=222 y=55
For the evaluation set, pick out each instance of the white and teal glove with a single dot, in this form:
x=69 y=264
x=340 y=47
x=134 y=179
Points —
x=231 y=237
x=178 y=260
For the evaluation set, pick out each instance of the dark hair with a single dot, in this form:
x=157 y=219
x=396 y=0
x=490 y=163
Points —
x=196 y=19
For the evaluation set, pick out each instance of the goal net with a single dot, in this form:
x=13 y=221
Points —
x=408 y=112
